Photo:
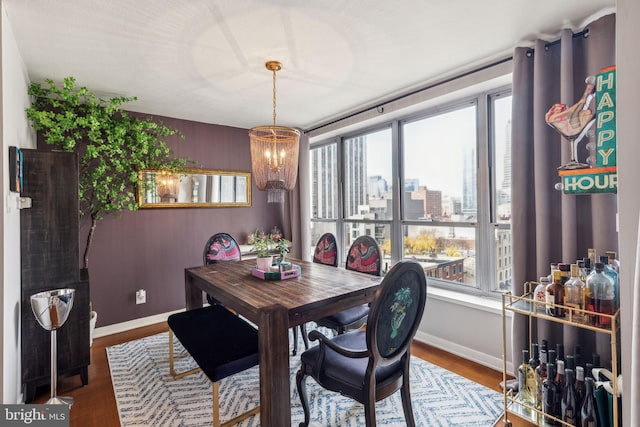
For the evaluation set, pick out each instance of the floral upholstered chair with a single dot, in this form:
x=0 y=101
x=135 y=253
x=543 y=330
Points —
x=326 y=250
x=221 y=247
x=364 y=256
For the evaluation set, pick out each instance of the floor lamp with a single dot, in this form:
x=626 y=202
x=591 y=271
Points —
x=51 y=309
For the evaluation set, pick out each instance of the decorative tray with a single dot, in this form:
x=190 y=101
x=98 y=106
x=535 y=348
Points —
x=282 y=274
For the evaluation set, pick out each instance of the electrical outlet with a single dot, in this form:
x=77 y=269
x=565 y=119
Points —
x=141 y=296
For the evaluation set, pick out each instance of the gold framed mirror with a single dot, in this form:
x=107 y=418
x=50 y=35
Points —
x=194 y=188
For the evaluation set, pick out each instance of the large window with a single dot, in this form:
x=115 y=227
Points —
x=435 y=187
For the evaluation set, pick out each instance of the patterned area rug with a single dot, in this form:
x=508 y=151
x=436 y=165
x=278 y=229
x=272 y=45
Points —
x=147 y=395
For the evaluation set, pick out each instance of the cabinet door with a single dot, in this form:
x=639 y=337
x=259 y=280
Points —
x=49 y=230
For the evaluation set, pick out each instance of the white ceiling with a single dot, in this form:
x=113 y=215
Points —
x=203 y=60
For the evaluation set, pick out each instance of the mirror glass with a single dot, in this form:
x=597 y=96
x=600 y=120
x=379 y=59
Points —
x=194 y=188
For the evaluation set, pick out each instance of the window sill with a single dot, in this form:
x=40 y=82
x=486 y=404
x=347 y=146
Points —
x=490 y=305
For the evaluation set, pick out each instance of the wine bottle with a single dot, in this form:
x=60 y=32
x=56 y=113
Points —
x=531 y=382
x=569 y=362
x=577 y=354
x=541 y=373
x=559 y=351
x=579 y=386
x=569 y=405
x=549 y=393
x=523 y=372
x=588 y=411
x=560 y=377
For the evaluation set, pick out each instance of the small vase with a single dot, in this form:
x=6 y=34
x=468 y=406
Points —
x=264 y=263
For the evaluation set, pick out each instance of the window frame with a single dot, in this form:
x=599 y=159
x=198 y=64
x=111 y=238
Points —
x=485 y=223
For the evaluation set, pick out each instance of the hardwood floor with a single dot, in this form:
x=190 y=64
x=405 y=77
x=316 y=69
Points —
x=95 y=404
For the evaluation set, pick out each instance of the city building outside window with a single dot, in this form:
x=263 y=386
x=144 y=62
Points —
x=434 y=187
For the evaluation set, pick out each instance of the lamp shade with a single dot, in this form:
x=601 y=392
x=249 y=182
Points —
x=274 y=159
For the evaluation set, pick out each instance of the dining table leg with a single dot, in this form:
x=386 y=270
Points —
x=193 y=294
x=275 y=393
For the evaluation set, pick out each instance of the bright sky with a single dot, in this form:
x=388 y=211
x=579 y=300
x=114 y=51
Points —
x=436 y=146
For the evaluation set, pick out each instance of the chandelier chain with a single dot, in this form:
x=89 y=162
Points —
x=274 y=98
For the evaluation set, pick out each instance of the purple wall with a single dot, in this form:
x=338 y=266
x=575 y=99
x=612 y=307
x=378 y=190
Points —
x=150 y=248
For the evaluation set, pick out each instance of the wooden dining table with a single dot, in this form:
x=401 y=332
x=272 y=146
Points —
x=275 y=306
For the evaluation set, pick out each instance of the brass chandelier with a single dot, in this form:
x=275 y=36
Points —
x=274 y=152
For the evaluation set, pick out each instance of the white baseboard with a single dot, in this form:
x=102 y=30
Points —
x=132 y=324
x=448 y=346
x=464 y=352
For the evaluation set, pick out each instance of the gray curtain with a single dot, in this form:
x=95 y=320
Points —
x=296 y=209
x=549 y=226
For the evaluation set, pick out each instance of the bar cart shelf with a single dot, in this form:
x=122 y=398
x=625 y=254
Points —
x=526 y=305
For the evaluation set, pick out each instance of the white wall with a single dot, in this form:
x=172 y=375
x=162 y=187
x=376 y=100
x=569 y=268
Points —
x=16 y=131
x=468 y=326
x=627 y=112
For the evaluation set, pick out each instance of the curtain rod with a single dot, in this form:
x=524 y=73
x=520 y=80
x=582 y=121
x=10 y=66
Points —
x=583 y=33
x=413 y=92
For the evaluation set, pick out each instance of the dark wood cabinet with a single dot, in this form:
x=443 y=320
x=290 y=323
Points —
x=49 y=232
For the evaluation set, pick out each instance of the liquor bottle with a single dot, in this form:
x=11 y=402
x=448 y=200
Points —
x=588 y=410
x=579 y=386
x=565 y=272
x=591 y=254
x=603 y=297
x=611 y=272
x=553 y=267
x=594 y=281
x=569 y=408
x=555 y=295
x=574 y=294
x=582 y=271
x=539 y=294
x=588 y=266
x=613 y=261
x=549 y=392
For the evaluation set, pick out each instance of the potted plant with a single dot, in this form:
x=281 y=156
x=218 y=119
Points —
x=113 y=146
x=281 y=246
x=263 y=247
